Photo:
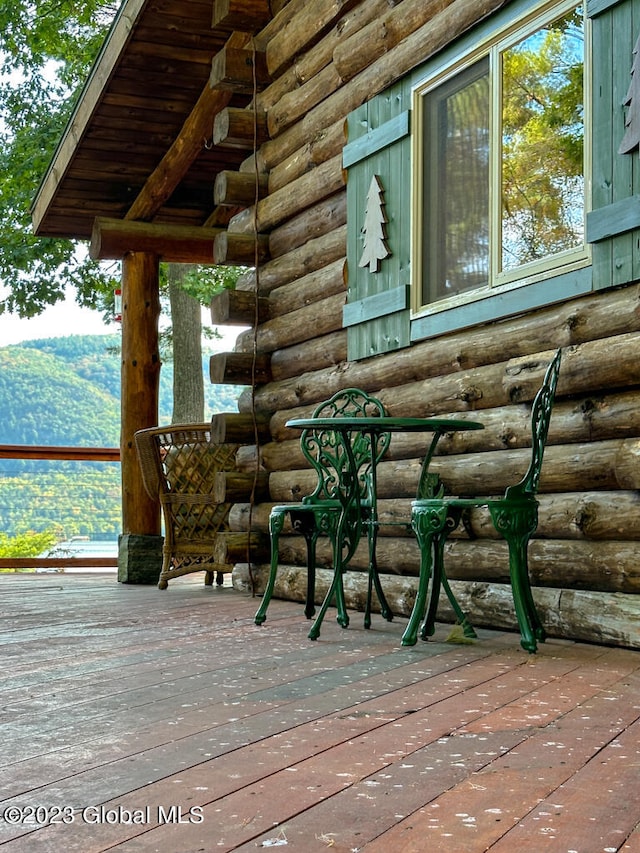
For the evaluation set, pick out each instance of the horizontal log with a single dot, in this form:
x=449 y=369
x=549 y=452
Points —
x=294 y=105
x=237 y=428
x=304 y=324
x=239 y=368
x=280 y=205
x=581 y=419
x=240 y=249
x=231 y=486
x=238 y=70
x=238 y=189
x=317 y=285
x=609 y=566
x=381 y=36
x=606 y=515
x=321 y=218
x=307 y=65
x=230 y=547
x=114 y=238
x=313 y=255
x=240 y=128
x=319 y=354
x=424 y=379
x=248 y=16
x=60 y=563
x=316 y=149
x=581 y=467
x=296 y=34
x=609 y=618
x=238 y=308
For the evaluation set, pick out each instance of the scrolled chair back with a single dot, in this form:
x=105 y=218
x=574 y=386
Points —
x=327 y=452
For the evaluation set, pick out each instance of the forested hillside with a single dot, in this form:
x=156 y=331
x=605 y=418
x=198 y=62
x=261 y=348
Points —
x=66 y=391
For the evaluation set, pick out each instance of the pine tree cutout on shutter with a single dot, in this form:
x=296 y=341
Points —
x=375 y=247
x=631 y=138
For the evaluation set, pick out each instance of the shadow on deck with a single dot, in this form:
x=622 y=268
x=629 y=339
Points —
x=141 y=720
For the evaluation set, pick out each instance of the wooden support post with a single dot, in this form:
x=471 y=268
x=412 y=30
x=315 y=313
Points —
x=139 y=557
x=238 y=308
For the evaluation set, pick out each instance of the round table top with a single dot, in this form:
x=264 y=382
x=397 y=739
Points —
x=384 y=424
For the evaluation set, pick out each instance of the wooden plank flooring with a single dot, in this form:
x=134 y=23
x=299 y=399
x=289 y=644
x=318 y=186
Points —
x=135 y=719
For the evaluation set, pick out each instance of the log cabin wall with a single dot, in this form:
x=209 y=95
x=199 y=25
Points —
x=326 y=60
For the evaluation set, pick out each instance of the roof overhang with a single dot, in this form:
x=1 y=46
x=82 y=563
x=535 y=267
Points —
x=146 y=112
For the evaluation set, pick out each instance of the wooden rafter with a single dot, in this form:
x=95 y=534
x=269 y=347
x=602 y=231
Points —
x=113 y=238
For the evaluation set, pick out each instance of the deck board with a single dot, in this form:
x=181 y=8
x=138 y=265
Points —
x=133 y=705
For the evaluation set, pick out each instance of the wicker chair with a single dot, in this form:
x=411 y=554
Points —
x=179 y=464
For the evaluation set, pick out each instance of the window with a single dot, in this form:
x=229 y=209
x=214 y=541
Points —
x=501 y=153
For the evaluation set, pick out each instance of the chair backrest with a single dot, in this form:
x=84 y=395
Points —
x=181 y=458
x=540 y=417
x=327 y=453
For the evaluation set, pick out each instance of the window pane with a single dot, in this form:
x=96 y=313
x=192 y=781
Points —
x=457 y=185
x=542 y=143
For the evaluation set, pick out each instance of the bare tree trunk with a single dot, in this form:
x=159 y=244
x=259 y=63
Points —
x=188 y=382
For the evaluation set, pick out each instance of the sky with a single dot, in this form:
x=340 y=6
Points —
x=64 y=318
x=68 y=318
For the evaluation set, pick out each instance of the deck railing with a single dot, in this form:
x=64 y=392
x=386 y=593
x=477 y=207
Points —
x=84 y=454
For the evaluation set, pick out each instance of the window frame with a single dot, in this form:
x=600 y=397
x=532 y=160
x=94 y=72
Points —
x=530 y=285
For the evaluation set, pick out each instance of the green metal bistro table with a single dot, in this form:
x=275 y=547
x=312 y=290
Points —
x=428 y=486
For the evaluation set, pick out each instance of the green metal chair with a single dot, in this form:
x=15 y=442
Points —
x=514 y=516
x=325 y=510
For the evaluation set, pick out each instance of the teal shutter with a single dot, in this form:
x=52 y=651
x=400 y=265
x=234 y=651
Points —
x=613 y=226
x=377 y=313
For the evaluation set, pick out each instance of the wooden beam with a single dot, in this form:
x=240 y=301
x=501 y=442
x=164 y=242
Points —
x=239 y=189
x=249 y=16
x=185 y=148
x=236 y=128
x=239 y=368
x=241 y=547
x=113 y=238
x=239 y=308
x=234 y=486
x=239 y=70
x=240 y=428
x=240 y=249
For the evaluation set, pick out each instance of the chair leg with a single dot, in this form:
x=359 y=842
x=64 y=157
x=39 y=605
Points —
x=310 y=533
x=427 y=522
x=374 y=581
x=276 y=523
x=336 y=589
x=440 y=581
x=516 y=524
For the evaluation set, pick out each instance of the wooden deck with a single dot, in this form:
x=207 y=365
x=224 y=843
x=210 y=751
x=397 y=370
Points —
x=141 y=720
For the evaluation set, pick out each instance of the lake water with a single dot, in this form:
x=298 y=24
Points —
x=78 y=548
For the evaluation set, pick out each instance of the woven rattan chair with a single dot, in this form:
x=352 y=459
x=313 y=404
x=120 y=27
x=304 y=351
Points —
x=179 y=464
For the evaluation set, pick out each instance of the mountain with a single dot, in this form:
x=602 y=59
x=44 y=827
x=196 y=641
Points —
x=66 y=391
